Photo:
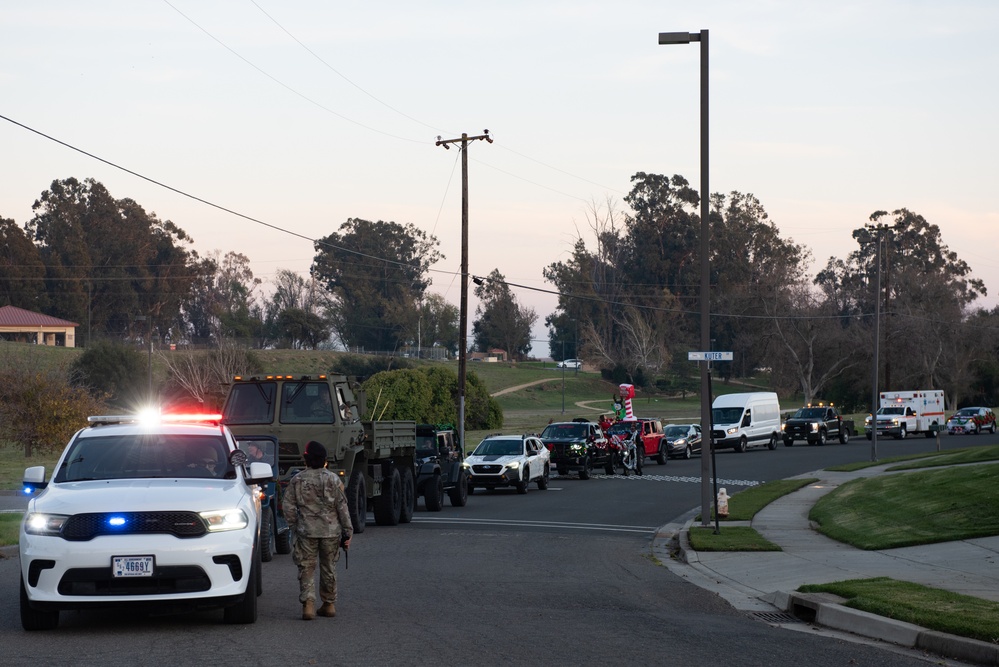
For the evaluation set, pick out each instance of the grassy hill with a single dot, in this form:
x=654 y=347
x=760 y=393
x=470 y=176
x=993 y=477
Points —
x=530 y=393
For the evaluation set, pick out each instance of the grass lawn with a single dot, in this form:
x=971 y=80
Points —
x=10 y=525
x=729 y=538
x=907 y=509
x=954 y=457
x=13 y=463
x=924 y=606
x=744 y=505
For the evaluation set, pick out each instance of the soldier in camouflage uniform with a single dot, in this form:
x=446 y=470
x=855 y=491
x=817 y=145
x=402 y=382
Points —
x=315 y=506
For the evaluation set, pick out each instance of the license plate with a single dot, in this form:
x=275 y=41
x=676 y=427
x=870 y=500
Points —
x=132 y=566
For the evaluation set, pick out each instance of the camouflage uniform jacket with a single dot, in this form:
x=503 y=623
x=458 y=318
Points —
x=315 y=504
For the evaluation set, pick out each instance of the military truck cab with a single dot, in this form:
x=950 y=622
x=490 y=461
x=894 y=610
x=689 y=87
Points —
x=440 y=467
x=375 y=459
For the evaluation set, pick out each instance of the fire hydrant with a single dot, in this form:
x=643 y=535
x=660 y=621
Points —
x=721 y=505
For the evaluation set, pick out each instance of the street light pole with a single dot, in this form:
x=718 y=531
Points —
x=706 y=465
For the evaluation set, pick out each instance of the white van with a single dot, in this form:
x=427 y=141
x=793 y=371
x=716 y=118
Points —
x=745 y=420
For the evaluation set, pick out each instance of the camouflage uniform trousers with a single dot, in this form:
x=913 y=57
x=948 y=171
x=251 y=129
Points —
x=306 y=553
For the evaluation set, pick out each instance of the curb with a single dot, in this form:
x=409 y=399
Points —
x=828 y=611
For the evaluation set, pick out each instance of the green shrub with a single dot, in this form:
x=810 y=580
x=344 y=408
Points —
x=119 y=371
x=41 y=410
x=430 y=395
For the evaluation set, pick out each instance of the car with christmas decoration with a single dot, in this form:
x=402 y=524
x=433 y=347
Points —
x=972 y=420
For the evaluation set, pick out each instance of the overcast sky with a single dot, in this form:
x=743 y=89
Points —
x=304 y=114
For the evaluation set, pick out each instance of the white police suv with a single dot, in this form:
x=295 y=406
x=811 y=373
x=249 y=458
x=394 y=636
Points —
x=161 y=513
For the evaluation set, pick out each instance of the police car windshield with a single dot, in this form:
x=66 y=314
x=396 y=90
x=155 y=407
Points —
x=143 y=456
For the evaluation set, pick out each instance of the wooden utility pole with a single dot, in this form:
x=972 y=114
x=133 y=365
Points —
x=463 y=317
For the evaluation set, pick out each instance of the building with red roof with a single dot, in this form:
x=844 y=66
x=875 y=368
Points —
x=25 y=326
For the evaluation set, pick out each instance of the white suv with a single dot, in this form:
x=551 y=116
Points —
x=159 y=513
x=508 y=460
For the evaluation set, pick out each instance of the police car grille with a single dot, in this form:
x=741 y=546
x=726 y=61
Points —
x=83 y=527
x=165 y=581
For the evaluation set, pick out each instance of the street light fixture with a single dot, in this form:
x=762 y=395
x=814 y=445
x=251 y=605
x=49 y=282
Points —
x=706 y=467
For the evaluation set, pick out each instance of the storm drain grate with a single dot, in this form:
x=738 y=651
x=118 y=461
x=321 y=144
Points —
x=776 y=617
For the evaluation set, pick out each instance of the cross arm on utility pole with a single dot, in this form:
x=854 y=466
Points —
x=463 y=139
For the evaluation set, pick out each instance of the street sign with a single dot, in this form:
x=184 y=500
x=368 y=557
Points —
x=709 y=356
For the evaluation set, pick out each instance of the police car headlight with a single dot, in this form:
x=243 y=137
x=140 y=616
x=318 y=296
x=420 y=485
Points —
x=37 y=523
x=513 y=465
x=680 y=442
x=219 y=520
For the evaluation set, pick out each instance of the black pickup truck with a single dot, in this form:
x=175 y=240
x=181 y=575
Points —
x=816 y=424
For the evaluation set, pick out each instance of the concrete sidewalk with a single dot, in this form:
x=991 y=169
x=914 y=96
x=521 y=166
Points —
x=758 y=582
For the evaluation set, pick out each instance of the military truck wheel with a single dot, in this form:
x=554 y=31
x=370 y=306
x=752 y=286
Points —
x=584 y=472
x=245 y=611
x=408 y=496
x=357 y=501
x=433 y=494
x=543 y=480
x=389 y=504
x=844 y=435
x=267 y=535
x=459 y=494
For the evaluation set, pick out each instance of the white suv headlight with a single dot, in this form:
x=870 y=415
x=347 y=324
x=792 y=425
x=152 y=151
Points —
x=513 y=465
x=234 y=519
x=37 y=523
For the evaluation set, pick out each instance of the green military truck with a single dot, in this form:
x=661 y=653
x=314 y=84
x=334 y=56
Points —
x=375 y=459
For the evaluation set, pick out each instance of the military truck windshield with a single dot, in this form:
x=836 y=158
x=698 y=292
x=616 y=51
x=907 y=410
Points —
x=726 y=415
x=565 y=431
x=145 y=456
x=250 y=403
x=810 y=413
x=306 y=403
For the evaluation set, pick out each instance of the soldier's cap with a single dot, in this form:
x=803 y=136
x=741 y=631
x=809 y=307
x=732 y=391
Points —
x=314 y=451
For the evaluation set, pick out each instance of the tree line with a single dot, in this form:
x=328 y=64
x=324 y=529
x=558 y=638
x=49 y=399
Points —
x=628 y=293
x=123 y=273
